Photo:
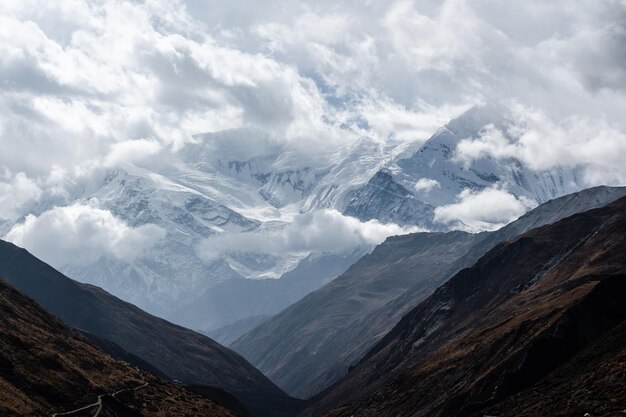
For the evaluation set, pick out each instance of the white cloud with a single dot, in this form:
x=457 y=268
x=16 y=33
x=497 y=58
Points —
x=488 y=209
x=131 y=151
x=79 y=235
x=321 y=230
x=426 y=185
x=453 y=37
x=592 y=146
x=161 y=79
x=15 y=193
x=392 y=70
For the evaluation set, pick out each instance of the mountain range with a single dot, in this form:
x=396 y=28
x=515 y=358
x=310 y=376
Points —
x=525 y=320
x=313 y=343
x=277 y=254
x=534 y=327
x=243 y=183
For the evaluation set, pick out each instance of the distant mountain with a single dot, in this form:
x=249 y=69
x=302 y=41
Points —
x=238 y=299
x=47 y=367
x=226 y=335
x=312 y=343
x=205 y=192
x=245 y=181
x=178 y=352
x=382 y=198
x=534 y=328
x=172 y=270
x=391 y=194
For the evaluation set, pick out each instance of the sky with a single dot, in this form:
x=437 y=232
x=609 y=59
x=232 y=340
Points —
x=88 y=85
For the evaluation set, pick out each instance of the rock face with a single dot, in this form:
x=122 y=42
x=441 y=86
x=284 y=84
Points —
x=179 y=353
x=47 y=367
x=510 y=335
x=311 y=344
x=382 y=198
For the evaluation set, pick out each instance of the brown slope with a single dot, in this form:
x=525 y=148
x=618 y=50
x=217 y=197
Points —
x=180 y=353
x=311 y=344
x=47 y=367
x=496 y=329
x=593 y=382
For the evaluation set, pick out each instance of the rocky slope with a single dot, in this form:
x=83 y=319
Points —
x=47 y=367
x=502 y=336
x=312 y=343
x=178 y=352
x=384 y=199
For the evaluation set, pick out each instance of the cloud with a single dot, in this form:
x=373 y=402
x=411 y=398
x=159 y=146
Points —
x=593 y=147
x=488 y=209
x=15 y=193
x=321 y=230
x=391 y=70
x=161 y=79
x=426 y=185
x=131 y=151
x=80 y=234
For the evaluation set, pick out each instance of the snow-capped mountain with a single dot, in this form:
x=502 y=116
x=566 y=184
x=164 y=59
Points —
x=172 y=270
x=202 y=194
x=407 y=190
x=244 y=182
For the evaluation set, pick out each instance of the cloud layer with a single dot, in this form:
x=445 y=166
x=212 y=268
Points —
x=593 y=147
x=85 y=84
x=16 y=192
x=89 y=85
x=477 y=211
x=79 y=235
x=321 y=230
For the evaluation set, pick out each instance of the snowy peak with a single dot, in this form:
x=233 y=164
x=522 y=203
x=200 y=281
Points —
x=141 y=197
x=435 y=175
x=385 y=200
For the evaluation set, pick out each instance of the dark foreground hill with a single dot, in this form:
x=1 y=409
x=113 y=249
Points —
x=535 y=328
x=179 y=353
x=47 y=367
x=311 y=344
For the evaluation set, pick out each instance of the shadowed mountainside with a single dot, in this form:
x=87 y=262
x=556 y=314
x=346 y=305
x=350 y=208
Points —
x=47 y=367
x=535 y=327
x=180 y=353
x=311 y=344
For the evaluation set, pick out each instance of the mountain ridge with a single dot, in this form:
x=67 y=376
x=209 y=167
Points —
x=178 y=352
x=356 y=298
x=46 y=367
x=496 y=329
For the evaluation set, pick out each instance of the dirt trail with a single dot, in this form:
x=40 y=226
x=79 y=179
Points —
x=98 y=403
